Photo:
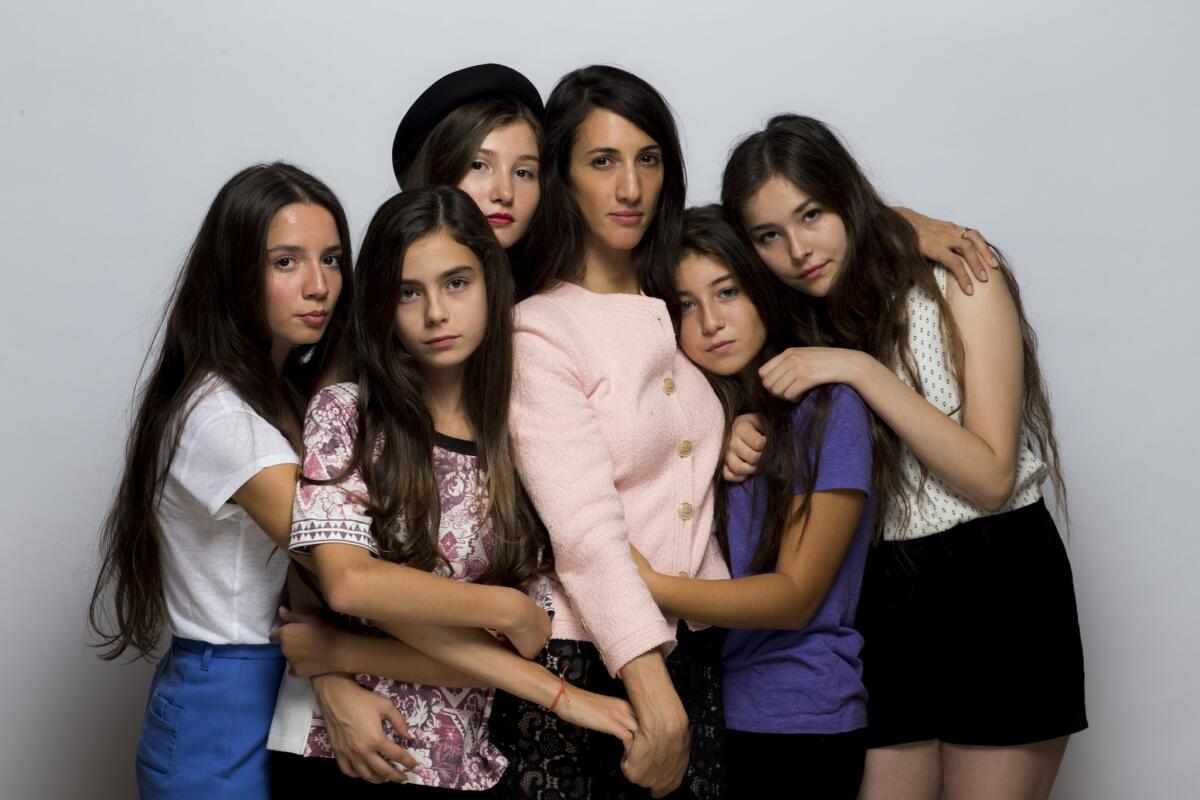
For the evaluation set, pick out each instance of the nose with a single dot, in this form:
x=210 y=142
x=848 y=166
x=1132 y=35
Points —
x=629 y=186
x=316 y=285
x=711 y=319
x=435 y=311
x=798 y=247
x=502 y=189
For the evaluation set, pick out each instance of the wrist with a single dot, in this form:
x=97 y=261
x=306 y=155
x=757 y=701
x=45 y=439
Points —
x=858 y=366
x=511 y=608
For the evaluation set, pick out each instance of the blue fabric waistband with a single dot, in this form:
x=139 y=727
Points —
x=251 y=651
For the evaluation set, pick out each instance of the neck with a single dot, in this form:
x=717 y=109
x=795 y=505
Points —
x=609 y=271
x=443 y=398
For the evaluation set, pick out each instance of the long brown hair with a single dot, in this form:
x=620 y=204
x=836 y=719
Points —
x=395 y=440
x=556 y=244
x=866 y=309
x=791 y=459
x=214 y=324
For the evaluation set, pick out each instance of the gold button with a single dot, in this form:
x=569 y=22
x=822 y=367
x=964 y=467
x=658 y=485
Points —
x=683 y=573
x=684 y=449
x=669 y=386
x=686 y=511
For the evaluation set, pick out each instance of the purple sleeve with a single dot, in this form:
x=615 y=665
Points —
x=846 y=450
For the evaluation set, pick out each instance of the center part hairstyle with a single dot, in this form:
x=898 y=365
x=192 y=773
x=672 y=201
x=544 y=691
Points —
x=791 y=458
x=215 y=324
x=866 y=308
x=394 y=446
x=559 y=236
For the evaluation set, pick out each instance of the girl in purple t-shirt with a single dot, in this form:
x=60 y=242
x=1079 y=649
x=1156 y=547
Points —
x=795 y=535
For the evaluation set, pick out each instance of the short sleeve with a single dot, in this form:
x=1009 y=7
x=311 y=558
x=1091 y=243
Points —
x=224 y=443
x=846 y=452
x=334 y=512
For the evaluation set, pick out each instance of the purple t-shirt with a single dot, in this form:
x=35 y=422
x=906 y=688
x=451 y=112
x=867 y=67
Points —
x=810 y=680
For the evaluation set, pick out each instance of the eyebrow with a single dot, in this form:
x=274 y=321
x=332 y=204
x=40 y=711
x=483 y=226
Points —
x=523 y=157
x=795 y=211
x=447 y=274
x=297 y=249
x=728 y=276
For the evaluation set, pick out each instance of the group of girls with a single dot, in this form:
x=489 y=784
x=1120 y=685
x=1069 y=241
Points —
x=609 y=541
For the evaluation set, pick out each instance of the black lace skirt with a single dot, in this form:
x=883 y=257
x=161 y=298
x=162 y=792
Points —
x=553 y=760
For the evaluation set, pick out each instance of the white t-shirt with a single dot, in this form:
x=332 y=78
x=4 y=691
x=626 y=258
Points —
x=222 y=576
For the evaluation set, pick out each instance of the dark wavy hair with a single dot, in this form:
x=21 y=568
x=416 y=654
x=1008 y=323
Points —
x=791 y=458
x=556 y=244
x=395 y=440
x=866 y=308
x=215 y=323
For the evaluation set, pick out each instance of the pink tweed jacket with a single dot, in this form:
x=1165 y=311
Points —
x=617 y=440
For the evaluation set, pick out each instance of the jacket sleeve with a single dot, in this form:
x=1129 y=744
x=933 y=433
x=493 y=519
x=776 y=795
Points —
x=566 y=467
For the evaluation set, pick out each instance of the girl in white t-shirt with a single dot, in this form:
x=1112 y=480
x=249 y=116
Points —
x=203 y=504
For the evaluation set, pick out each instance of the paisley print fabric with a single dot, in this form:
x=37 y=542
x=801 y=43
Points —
x=449 y=726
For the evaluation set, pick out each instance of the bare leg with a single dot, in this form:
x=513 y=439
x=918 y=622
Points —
x=1025 y=772
x=903 y=772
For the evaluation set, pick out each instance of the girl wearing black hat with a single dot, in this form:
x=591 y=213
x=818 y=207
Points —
x=478 y=129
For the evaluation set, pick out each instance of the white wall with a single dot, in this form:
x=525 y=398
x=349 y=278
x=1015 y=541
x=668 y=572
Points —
x=1066 y=132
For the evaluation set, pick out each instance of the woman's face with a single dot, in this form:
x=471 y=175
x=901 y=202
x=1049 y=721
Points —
x=503 y=180
x=442 y=313
x=304 y=275
x=802 y=242
x=720 y=329
x=616 y=176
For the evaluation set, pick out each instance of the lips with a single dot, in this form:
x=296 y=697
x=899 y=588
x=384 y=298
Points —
x=441 y=341
x=813 y=272
x=500 y=218
x=628 y=218
x=314 y=317
x=720 y=347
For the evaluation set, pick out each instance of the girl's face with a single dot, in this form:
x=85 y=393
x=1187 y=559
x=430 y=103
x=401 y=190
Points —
x=720 y=330
x=304 y=275
x=616 y=176
x=503 y=180
x=802 y=242
x=442 y=313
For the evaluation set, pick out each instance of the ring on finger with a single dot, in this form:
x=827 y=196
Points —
x=964 y=233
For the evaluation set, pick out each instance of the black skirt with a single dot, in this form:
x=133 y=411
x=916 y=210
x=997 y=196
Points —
x=971 y=636
x=553 y=760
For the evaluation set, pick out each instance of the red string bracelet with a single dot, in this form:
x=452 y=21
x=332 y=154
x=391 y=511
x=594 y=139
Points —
x=562 y=689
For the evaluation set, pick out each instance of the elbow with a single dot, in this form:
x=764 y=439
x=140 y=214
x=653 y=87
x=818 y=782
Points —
x=338 y=587
x=799 y=614
x=996 y=494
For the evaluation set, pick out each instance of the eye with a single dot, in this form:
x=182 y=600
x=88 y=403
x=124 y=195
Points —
x=650 y=159
x=523 y=172
x=407 y=295
x=812 y=214
x=686 y=305
x=478 y=165
x=332 y=261
x=728 y=292
x=767 y=237
x=457 y=284
x=287 y=262
x=601 y=161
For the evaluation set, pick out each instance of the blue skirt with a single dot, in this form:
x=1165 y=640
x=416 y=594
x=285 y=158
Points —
x=205 y=731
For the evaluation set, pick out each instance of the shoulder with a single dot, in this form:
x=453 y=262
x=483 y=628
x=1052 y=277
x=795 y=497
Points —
x=845 y=405
x=334 y=405
x=214 y=404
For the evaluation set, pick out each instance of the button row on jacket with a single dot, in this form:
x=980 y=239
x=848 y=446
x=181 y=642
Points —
x=684 y=449
x=686 y=511
x=668 y=385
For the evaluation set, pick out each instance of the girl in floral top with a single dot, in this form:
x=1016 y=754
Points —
x=411 y=463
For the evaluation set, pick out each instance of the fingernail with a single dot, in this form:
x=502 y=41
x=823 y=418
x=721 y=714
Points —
x=970 y=290
x=983 y=274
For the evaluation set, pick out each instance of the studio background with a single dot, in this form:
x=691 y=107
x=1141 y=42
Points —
x=1066 y=132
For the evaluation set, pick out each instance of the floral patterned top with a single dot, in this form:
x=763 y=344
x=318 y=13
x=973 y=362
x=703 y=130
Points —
x=449 y=726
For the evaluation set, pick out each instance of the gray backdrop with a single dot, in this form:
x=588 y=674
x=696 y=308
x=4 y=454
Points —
x=1066 y=132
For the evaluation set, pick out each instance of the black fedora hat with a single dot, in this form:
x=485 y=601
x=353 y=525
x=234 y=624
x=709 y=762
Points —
x=448 y=93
